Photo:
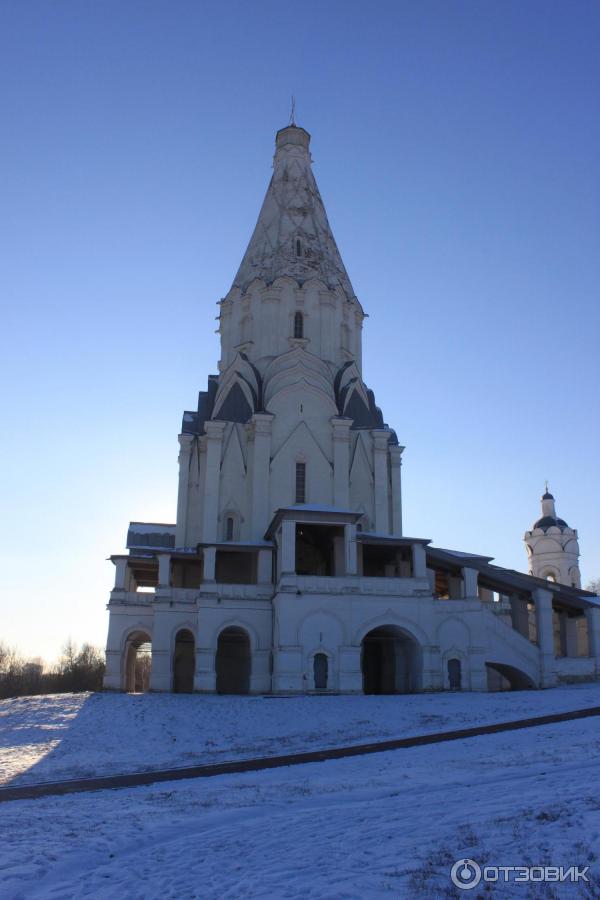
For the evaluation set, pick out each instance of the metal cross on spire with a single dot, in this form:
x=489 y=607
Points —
x=293 y=112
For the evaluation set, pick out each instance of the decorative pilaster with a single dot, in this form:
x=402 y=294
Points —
x=186 y=442
x=214 y=441
x=341 y=461
x=380 y=467
x=396 y=472
x=259 y=432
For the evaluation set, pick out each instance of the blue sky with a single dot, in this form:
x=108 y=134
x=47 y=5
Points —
x=456 y=147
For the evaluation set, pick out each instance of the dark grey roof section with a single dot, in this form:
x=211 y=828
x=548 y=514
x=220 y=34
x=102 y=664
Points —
x=507 y=581
x=362 y=416
x=547 y=496
x=235 y=407
x=193 y=422
x=547 y=522
x=151 y=536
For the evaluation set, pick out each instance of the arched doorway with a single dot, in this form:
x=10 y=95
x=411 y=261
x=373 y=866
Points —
x=184 y=662
x=320 y=671
x=390 y=661
x=137 y=662
x=455 y=674
x=233 y=661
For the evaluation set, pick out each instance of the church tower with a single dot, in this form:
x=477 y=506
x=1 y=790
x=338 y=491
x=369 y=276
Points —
x=288 y=419
x=552 y=547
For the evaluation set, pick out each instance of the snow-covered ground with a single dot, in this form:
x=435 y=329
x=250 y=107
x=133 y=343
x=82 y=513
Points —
x=74 y=735
x=387 y=825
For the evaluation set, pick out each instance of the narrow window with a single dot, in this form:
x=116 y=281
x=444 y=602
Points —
x=298 y=247
x=298 y=325
x=229 y=529
x=300 y=482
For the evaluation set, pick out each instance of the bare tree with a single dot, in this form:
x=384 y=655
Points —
x=78 y=670
x=594 y=586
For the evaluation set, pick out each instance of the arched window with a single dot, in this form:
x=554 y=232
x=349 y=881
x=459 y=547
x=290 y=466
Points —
x=300 y=482
x=298 y=325
x=320 y=671
x=229 y=528
x=298 y=247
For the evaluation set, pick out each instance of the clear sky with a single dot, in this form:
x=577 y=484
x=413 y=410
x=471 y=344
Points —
x=456 y=146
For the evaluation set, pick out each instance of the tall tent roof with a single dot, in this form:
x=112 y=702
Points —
x=292 y=235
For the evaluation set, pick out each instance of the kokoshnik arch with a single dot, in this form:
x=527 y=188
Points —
x=287 y=569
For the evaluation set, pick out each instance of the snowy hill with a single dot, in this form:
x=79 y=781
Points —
x=74 y=735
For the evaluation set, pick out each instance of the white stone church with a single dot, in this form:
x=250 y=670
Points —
x=287 y=570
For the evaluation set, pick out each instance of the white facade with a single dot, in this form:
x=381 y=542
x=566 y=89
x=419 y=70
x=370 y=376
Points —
x=287 y=569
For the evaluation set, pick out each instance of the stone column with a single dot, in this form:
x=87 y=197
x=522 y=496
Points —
x=209 y=559
x=341 y=461
x=264 y=573
x=260 y=432
x=380 y=467
x=396 y=470
x=287 y=547
x=164 y=570
x=121 y=573
x=186 y=442
x=592 y=615
x=350 y=547
x=545 y=636
x=419 y=561
x=214 y=441
x=469 y=577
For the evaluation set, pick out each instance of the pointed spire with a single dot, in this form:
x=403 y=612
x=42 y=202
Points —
x=292 y=235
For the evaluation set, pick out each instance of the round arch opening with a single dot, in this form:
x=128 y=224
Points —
x=184 y=662
x=390 y=661
x=137 y=662
x=233 y=661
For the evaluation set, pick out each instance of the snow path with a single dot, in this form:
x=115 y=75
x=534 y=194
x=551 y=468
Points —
x=389 y=825
x=80 y=735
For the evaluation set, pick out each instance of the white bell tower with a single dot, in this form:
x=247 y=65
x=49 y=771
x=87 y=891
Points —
x=552 y=547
